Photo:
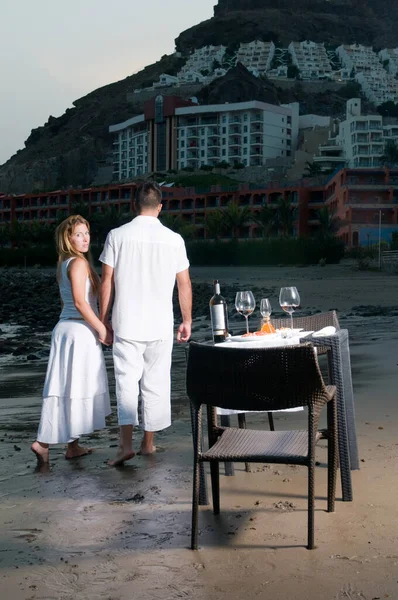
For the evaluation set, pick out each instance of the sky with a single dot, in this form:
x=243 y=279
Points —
x=55 y=51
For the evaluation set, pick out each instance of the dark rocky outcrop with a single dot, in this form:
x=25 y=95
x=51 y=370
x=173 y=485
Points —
x=368 y=22
x=239 y=85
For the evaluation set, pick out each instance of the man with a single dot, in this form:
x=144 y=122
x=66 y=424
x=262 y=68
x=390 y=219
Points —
x=141 y=262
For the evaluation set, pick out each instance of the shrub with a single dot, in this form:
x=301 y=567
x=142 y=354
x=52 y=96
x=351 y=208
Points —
x=272 y=251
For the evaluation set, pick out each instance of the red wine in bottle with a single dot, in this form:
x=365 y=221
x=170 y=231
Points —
x=219 y=315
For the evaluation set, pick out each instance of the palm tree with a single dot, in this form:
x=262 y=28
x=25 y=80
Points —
x=285 y=216
x=312 y=169
x=235 y=217
x=102 y=223
x=327 y=222
x=4 y=235
x=215 y=224
x=82 y=209
x=265 y=218
x=40 y=234
x=19 y=234
x=177 y=224
x=390 y=156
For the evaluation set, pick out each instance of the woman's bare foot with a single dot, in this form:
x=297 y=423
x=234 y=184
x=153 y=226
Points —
x=75 y=451
x=41 y=451
x=121 y=457
x=146 y=450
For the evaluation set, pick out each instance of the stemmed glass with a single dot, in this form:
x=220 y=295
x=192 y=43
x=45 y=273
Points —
x=265 y=307
x=289 y=300
x=265 y=310
x=245 y=305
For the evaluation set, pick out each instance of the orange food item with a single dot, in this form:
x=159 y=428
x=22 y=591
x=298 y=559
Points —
x=268 y=328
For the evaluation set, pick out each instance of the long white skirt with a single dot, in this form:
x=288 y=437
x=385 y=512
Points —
x=76 y=395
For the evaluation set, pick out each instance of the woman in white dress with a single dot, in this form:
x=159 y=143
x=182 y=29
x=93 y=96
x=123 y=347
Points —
x=75 y=395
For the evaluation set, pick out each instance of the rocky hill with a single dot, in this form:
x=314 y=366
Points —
x=368 y=22
x=73 y=149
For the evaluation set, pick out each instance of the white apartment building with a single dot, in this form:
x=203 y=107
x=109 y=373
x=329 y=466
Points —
x=193 y=136
x=130 y=148
x=256 y=56
x=244 y=132
x=359 y=142
x=378 y=86
x=166 y=80
x=358 y=57
x=201 y=60
x=311 y=59
x=390 y=55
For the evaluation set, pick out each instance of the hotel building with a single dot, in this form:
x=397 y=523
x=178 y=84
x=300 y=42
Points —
x=174 y=133
x=365 y=200
x=360 y=140
x=311 y=59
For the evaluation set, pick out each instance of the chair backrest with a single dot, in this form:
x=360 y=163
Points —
x=311 y=322
x=254 y=378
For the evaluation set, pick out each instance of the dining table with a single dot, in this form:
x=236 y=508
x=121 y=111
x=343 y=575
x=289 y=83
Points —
x=337 y=348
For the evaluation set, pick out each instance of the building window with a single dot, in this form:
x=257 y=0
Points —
x=223 y=141
x=159 y=117
x=202 y=153
x=182 y=143
x=224 y=152
x=224 y=119
x=245 y=129
x=182 y=154
x=245 y=117
x=224 y=130
x=245 y=140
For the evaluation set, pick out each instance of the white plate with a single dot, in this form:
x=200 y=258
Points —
x=294 y=331
x=253 y=338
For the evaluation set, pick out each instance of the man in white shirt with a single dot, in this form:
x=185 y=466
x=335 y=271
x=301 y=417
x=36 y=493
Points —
x=141 y=262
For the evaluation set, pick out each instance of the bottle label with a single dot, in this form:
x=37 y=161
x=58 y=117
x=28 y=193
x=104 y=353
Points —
x=218 y=319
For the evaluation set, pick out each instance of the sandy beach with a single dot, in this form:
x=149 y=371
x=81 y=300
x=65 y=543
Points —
x=82 y=530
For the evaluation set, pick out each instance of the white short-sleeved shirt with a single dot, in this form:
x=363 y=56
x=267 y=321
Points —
x=146 y=257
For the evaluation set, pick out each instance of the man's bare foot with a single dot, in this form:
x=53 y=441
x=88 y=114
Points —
x=147 y=450
x=77 y=452
x=121 y=457
x=41 y=451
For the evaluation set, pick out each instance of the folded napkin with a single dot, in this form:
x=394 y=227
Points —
x=325 y=332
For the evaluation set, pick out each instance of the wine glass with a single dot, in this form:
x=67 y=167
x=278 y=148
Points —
x=245 y=304
x=265 y=307
x=289 y=300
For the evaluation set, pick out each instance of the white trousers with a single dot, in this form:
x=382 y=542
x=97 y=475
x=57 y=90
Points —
x=143 y=367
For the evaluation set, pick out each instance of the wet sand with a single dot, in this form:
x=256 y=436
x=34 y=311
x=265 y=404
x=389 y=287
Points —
x=84 y=530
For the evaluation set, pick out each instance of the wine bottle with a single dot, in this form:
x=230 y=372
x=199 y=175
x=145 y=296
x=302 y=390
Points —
x=219 y=315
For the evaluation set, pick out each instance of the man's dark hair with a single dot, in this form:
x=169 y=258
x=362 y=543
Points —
x=148 y=195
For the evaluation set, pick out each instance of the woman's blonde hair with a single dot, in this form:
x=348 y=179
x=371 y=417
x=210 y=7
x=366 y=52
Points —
x=65 y=248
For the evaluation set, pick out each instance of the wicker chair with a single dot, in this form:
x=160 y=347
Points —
x=312 y=322
x=234 y=378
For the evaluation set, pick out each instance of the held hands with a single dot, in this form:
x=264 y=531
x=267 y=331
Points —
x=105 y=335
x=184 y=332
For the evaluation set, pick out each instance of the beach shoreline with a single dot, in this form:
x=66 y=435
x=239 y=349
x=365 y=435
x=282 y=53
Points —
x=84 y=530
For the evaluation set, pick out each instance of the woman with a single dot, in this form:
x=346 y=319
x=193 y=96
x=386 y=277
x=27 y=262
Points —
x=75 y=395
